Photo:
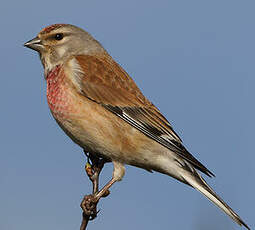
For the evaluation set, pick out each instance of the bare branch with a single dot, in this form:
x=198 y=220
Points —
x=93 y=169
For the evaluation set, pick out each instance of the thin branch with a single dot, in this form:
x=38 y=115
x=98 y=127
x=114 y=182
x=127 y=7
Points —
x=85 y=221
x=93 y=169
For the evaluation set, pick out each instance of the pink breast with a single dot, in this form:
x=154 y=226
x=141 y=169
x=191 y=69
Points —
x=58 y=93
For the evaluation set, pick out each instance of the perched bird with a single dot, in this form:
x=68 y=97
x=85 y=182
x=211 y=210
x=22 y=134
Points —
x=100 y=108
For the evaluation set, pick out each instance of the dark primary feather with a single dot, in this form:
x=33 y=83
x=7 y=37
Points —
x=156 y=135
x=106 y=83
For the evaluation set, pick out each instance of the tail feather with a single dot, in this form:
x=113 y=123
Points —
x=197 y=182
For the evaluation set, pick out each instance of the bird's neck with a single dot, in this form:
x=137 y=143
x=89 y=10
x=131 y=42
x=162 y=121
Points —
x=49 y=63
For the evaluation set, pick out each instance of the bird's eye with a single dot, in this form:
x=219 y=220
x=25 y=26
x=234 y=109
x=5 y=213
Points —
x=59 y=36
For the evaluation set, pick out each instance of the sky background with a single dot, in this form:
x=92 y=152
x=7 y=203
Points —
x=192 y=59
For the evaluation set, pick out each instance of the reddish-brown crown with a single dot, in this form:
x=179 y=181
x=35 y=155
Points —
x=51 y=28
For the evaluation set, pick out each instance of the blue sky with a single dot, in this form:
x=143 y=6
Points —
x=193 y=59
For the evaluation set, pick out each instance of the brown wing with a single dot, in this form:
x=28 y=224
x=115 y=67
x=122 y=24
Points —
x=106 y=83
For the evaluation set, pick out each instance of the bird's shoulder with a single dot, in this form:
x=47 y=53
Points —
x=107 y=82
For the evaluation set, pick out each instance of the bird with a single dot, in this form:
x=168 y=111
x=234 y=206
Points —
x=99 y=106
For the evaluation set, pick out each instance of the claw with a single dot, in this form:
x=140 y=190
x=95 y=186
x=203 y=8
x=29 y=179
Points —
x=89 y=206
x=107 y=193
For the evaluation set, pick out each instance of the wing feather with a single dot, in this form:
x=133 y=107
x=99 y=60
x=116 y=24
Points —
x=106 y=83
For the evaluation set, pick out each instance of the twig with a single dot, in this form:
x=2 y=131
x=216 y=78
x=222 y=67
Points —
x=93 y=169
x=85 y=220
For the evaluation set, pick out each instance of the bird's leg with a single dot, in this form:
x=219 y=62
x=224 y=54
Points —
x=93 y=169
x=118 y=173
x=90 y=201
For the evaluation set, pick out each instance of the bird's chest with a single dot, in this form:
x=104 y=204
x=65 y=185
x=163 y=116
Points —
x=59 y=94
x=65 y=105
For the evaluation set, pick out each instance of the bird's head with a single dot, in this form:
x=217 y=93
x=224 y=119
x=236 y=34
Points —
x=58 y=42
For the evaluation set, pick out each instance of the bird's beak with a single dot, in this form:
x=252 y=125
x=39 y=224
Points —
x=34 y=44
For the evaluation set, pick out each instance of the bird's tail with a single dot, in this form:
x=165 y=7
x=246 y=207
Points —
x=196 y=181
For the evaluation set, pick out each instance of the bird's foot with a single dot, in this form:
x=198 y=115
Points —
x=89 y=206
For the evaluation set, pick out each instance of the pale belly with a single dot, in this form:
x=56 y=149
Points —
x=98 y=130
